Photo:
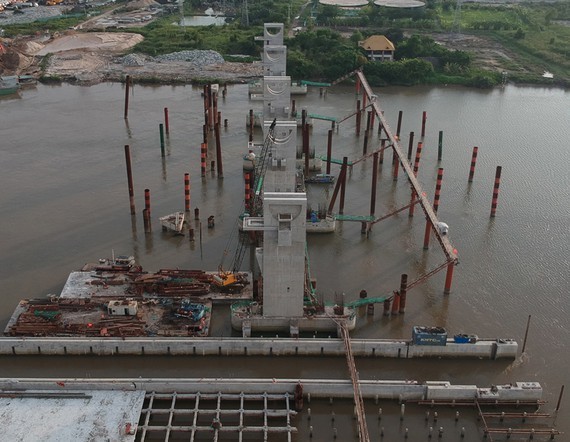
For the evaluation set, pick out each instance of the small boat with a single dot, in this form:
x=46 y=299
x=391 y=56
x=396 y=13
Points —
x=320 y=178
x=173 y=222
x=121 y=263
x=9 y=85
x=25 y=80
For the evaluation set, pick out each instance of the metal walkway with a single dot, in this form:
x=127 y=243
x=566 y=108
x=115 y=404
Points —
x=322 y=117
x=363 y=435
x=315 y=83
x=448 y=249
x=357 y=218
x=333 y=160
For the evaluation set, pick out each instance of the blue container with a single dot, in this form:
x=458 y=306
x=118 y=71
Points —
x=429 y=335
x=465 y=339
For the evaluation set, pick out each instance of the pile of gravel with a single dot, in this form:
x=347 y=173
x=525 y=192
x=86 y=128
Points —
x=29 y=15
x=133 y=60
x=197 y=58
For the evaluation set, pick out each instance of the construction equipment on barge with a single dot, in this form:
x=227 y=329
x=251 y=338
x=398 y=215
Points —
x=173 y=222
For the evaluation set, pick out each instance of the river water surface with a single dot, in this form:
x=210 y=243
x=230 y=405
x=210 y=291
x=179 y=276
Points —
x=64 y=202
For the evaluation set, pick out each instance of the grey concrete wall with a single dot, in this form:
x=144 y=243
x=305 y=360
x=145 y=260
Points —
x=284 y=264
x=274 y=58
x=247 y=346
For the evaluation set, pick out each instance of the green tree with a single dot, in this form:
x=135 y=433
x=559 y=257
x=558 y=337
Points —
x=356 y=37
x=327 y=14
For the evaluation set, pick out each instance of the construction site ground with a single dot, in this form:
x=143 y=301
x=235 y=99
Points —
x=88 y=54
x=95 y=57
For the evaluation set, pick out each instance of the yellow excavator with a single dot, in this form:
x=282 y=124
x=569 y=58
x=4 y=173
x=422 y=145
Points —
x=230 y=281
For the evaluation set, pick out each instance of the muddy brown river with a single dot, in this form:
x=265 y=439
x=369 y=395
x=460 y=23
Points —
x=64 y=202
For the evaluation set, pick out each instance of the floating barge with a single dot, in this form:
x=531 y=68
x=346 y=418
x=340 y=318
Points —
x=115 y=298
x=98 y=317
x=320 y=178
x=491 y=349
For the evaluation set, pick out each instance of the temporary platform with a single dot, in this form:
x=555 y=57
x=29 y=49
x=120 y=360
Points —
x=125 y=410
x=246 y=319
x=61 y=414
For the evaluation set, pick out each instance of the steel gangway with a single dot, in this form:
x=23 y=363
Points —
x=363 y=435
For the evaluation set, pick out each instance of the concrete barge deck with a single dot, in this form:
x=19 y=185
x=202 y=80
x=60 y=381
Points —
x=483 y=349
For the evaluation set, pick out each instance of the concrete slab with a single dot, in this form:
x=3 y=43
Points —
x=71 y=416
x=86 y=285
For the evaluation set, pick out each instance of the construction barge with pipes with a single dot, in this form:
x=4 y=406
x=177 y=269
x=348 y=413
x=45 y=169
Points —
x=116 y=298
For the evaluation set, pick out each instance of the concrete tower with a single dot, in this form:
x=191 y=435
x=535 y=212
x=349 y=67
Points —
x=282 y=258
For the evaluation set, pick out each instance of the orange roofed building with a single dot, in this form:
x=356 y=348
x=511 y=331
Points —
x=378 y=48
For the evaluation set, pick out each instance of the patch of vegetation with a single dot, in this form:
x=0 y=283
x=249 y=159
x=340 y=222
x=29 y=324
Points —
x=50 y=79
x=44 y=63
x=321 y=55
x=240 y=59
x=536 y=52
x=530 y=31
x=163 y=37
x=53 y=25
x=407 y=72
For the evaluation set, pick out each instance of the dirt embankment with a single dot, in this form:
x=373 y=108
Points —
x=96 y=56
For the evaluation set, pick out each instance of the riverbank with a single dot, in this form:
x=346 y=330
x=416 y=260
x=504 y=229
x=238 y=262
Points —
x=90 y=68
x=80 y=57
x=94 y=57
